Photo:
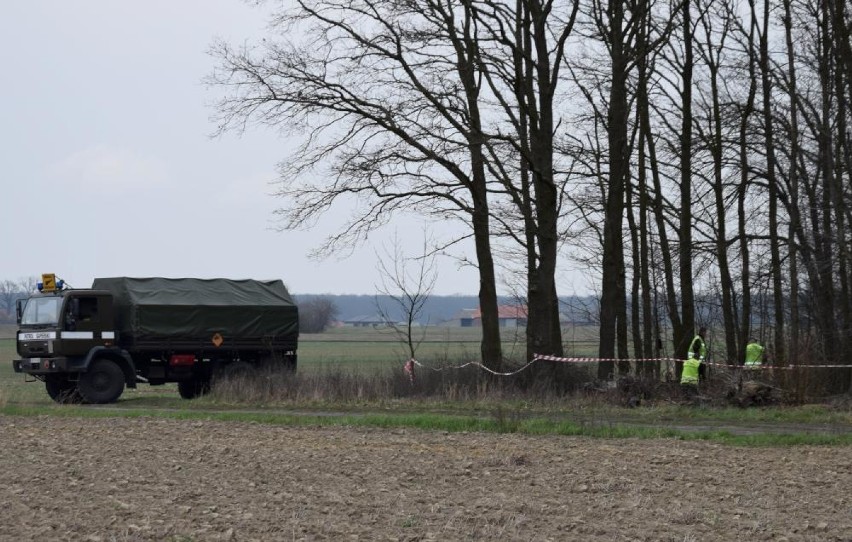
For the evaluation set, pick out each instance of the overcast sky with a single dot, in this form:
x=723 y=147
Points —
x=108 y=167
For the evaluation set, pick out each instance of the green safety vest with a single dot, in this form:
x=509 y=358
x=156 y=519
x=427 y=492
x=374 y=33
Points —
x=690 y=371
x=697 y=349
x=753 y=354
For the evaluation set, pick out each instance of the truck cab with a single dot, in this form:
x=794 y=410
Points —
x=65 y=323
x=67 y=339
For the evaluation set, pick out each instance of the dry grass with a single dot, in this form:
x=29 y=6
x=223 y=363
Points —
x=271 y=386
x=546 y=386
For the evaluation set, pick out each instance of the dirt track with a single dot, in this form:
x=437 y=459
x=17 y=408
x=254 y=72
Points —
x=147 y=479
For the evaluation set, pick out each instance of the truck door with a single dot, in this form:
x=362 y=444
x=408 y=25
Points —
x=85 y=319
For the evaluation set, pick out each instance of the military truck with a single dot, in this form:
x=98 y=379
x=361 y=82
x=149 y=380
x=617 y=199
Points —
x=86 y=345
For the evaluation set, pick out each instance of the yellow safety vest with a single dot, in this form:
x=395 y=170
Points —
x=690 y=371
x=753 y=354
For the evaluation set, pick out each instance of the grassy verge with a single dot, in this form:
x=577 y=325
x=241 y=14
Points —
x=497 y=423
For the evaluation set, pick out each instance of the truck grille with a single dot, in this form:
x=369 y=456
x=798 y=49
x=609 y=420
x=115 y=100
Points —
x=38 y=347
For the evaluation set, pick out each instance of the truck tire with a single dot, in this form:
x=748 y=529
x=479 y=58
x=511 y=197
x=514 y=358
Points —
x=102 y=383
x=62 y=390
x=196 y=387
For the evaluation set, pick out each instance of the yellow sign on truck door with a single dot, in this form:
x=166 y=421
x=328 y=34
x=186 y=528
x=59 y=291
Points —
x=48 y=282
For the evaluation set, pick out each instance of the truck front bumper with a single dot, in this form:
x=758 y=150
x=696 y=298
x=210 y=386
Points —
x=40 y=366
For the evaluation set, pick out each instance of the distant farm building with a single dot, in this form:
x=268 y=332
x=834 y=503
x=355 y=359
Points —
x=516 y=316
x=508 y=316
x=367 y=321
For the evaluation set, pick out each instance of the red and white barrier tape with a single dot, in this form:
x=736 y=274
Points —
x=640 y=360
x=409 y=367
x=411 y=363
x=595 y=360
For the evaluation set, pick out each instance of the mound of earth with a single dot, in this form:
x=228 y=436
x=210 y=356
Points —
x=152 y=479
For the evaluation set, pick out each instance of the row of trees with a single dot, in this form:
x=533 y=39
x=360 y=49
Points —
x=680 y=148
x=10 y=292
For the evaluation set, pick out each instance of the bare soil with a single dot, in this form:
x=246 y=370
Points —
x=153 y=479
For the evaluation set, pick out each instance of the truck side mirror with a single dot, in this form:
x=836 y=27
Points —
x=19 y=309
x=75 y=308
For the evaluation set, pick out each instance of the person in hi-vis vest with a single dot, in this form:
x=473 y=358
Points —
x=753 y=354
x=698 y=350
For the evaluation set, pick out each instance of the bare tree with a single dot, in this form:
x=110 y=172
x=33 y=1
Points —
x=407 y=281
x=316 y=314
x=792 y=181
x=11 y=291
x=772 y=182
x=716 y=22
x=534 y=35
x=619 y=27
x=8 y=294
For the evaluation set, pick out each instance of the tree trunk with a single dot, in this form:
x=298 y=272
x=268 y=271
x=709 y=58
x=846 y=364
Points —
x=716 y=149
x=645 y=269
x=774 y=242
x=840 y=170
x=466 y=53
x=793 y=176
x=642 y=105
x=491 y=346
x=826 y=244
x=535 y=92
x=642 y=267
x=748 y=109
x=686 y=215
x=613 y=255
x=635 y=285
x=547 y=200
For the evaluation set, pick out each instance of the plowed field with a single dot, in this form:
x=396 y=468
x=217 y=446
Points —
x=153 y=479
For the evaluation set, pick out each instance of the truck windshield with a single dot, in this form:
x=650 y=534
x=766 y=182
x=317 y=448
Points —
x=42 y=310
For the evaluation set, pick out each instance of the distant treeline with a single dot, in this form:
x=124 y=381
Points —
x=438 y=309
x=10 y=292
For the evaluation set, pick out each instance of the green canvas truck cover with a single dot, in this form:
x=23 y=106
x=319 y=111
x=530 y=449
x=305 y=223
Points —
x=189 y=308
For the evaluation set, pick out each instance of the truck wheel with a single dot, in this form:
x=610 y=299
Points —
x=196 y=387
x=62 y=390
x=102 y=383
